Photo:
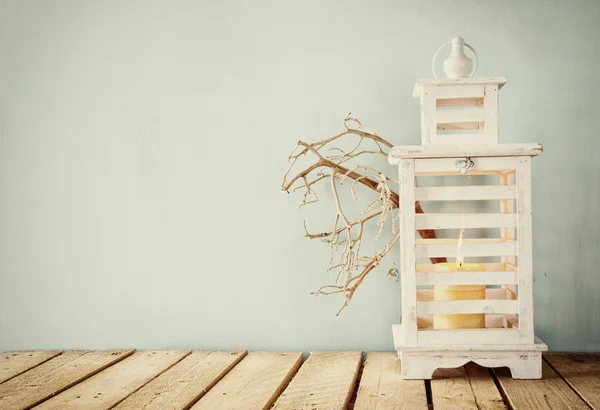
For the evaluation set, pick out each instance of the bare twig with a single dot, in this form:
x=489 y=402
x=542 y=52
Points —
x=345 y=237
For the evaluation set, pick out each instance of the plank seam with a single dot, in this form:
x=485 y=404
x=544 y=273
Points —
x=357 y=380
x=31 y=368
x=503 y=393
x=567 y=382
x=164 y=370
x=286 y=382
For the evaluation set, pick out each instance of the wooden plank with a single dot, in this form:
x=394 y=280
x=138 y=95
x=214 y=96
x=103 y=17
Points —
x=489 y=267
x=14 y=363
x=467 y=306
x=457 y=91
x=465 y=221
x=468 y=336
x=486 y=393
x=460 y=151
x=466 y=278
x=429 y=248
x=459 y=102
x=107 y=388
x=465 y=193
x=407 y=251
x=325 y=381
x=255 y=383
x=550 y=392
x=382 y=388
x=582 y=372
x=185 y=383
x=55 y=376
x=450 y=390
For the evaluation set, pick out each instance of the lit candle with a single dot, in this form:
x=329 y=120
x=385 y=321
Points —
x=459 y=292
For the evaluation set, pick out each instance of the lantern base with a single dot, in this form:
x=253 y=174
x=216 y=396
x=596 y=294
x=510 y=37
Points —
x=419 y=362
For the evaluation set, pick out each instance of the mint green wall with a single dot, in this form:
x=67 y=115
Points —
x=142 y=145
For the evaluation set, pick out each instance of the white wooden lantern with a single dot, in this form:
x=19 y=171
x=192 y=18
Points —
x=460 y=138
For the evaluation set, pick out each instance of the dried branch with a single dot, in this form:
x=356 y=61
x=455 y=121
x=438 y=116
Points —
x=345 y=237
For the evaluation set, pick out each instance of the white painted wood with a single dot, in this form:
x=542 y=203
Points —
x=428 y=124
x=490 y=102
x=522 y=366
x=508 y=207
x=466 y=221
x=456 y=91
x=422 y=84
x=467 y=114
x=407 y=250
x=465 y=193
x=503 y=321
x=467 y=306
x=424 y=295
x=431 y=248
x=500 y=336
x=481 y=165
x=489 y=267
x=525 y=249
x=452 y=151
x=467 y=278
x=475 y=138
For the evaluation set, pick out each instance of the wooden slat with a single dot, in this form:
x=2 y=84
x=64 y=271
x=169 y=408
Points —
x=14 y=363
x=450 y=390
x=465 y=193
x=467 y=306
x=459 y=102
x=467 y=336
x=582 y=372
x=465 y=221
x=457 y=91
x=429 y=248
x=55 y=376
x=407 y=254
x=467 y=278
x=325 y=381
x=185 y=383
x=109 y=387
x=447 y=154
x=382 y=388
x=255 y=383
x=550 y=393
x=491 y=110
x=489 y=267
x=486 y=393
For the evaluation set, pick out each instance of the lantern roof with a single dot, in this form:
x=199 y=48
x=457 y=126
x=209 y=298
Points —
x=431 y=82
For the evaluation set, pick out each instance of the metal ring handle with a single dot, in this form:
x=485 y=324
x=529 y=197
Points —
x=475 y=63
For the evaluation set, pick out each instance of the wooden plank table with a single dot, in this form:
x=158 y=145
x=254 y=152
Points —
x=176 y=380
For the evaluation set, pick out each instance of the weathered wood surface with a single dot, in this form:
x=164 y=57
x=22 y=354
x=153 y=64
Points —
x=112 y=385
x=551 y=392
x=54 y=376
x=382 y=388
x=255 y=383
x=582 y=372
x=14 y=363
x=325 y=381
x=185 y=383
x=178 y=380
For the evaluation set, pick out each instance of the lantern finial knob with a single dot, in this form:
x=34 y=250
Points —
x=457 y=65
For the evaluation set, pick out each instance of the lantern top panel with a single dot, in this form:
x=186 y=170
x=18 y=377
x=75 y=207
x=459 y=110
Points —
x=468 y=150
x=422 y=84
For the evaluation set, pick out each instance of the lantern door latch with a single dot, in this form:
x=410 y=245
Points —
x=464 y=165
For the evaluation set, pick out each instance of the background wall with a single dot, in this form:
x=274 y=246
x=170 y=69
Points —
x=143 y=143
